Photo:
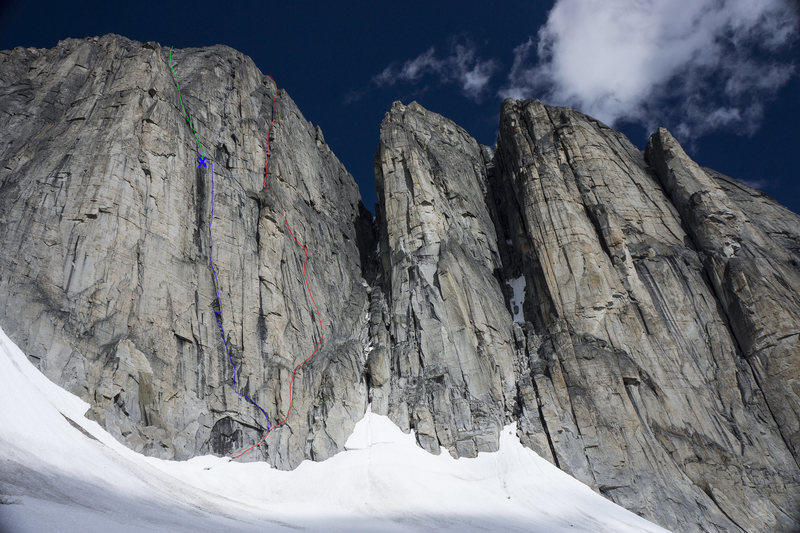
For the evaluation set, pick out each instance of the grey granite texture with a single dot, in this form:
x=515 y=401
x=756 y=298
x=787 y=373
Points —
x=636 y=314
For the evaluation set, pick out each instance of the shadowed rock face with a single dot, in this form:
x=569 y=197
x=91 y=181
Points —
x=636 y=314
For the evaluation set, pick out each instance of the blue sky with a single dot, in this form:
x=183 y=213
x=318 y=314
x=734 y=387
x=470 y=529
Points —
x=722 y=75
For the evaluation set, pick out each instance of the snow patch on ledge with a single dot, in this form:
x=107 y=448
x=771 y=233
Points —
x=517 y=298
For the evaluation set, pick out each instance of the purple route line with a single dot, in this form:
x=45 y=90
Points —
x=219 y=302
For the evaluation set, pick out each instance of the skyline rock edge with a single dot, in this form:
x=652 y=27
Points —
x=636 y=314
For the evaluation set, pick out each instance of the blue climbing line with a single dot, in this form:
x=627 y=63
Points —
x=217 y=314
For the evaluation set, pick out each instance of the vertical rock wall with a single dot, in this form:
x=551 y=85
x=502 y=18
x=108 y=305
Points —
x=449 y=349
x=634 y=313
x=640 y=379
x=104 y=270
x=627 y=369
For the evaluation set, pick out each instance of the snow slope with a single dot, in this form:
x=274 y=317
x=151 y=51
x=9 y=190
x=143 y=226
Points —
x=62 y=472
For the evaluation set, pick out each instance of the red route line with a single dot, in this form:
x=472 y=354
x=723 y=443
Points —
x=308 y=288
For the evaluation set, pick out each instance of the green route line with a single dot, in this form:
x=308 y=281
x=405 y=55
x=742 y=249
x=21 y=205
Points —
x=181 y=101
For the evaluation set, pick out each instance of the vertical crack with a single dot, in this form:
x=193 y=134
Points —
x=543 y=421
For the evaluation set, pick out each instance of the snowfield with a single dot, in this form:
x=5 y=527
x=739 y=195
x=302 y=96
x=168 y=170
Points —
x=62 y=472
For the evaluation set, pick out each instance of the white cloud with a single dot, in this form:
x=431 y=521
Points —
x=694 y=65
x=460 y=66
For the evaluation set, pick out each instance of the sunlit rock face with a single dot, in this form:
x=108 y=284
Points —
x=104 y=272
x=634 y=313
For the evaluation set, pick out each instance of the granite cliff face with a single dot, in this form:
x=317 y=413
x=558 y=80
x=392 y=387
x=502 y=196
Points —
x=638 y=358
x=446 y=363
x=637 y=315
x=104 y=272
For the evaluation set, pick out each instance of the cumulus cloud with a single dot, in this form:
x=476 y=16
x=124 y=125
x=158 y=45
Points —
x=460 y=66
x=694 y=65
